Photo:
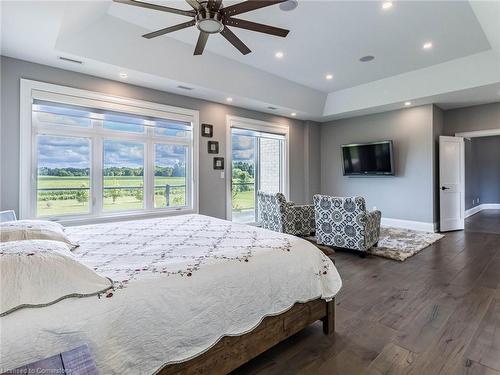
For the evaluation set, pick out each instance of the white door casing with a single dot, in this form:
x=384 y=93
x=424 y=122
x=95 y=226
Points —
x=451 y=183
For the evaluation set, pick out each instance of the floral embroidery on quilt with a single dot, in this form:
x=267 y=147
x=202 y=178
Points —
x=127 y=251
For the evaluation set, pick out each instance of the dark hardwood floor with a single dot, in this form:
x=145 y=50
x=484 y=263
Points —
x=436 y=313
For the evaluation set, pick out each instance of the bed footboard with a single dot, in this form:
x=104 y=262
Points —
x=231 y=352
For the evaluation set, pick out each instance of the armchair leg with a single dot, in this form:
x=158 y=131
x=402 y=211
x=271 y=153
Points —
x=376 y=244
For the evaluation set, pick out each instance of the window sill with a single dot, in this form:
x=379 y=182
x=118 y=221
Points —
x=121 y=216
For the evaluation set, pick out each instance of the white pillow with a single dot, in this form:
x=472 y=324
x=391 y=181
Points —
x=33 y=230
x=38 y=273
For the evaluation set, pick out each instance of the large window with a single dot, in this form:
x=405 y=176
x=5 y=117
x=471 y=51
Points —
x=258 y=154
x=84 y=156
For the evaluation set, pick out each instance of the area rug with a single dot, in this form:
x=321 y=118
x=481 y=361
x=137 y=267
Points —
x=394 y=243
x=400 y=244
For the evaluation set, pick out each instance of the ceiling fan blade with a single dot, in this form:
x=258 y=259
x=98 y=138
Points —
x=194 y=4
x=167 y=30
x=235 y=41
x=247 y=6
x=254 y=26
x=214 y=4
x=189 y=13
x=200 y=45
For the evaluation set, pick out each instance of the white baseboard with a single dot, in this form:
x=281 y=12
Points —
x=409 y=224
x=473 y=211
x=481 y=207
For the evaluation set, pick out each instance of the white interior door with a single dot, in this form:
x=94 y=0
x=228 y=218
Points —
x=451 y=183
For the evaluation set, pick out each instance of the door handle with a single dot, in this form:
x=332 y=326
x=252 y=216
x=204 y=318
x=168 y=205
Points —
x=445 y=188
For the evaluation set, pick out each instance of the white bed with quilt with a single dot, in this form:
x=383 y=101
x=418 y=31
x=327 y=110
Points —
x=179 y=284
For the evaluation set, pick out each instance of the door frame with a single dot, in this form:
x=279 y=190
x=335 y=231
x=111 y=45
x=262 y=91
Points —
x=468 y=135
x=257 y=125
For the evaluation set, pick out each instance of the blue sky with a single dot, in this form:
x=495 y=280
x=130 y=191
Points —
x=61 y=152
x=243 y=148
x=123 y=154
x=64 y=152
x=169 y=155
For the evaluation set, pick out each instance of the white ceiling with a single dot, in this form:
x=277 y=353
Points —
x=325 y=37
x=330 y=37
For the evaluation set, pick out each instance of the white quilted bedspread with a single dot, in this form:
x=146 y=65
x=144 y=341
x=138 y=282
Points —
x=182 y=283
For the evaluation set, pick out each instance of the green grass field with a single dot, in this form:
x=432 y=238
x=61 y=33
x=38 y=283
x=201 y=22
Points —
x=126 y=201
x=244 y=200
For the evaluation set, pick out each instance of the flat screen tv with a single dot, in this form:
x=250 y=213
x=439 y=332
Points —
x=368 y=159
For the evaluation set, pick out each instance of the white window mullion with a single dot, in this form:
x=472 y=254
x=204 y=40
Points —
x=189 y=177
x=97 y=191
x=33 y=176
x=257 y=171
x=149 y=179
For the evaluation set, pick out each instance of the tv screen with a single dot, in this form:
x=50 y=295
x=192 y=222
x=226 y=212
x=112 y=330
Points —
x=368 y=159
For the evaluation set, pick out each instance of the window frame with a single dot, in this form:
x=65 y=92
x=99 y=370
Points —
x=31 y=90
x=260 y=126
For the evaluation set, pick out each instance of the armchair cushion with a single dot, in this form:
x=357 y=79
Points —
x=299 y=220
x=344 y=222
x=278 y=215
x=271 y=210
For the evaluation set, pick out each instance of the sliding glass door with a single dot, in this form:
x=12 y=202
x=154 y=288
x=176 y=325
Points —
x=258 y=163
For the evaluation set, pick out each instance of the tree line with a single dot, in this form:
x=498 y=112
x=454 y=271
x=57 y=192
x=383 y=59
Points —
x=178 y=170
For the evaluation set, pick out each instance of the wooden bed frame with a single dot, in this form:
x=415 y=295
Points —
x=233 y=351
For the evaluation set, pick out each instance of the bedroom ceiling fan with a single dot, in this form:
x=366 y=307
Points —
x=211 y=18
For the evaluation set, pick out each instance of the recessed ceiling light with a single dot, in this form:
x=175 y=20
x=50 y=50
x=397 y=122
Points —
x=279 y=55
x=123 y=75
x=427 y=45
x=293 y=114
x=229 y=100
x=367 y=58
x=407 y=103
x=329 y=76
x=387 y=4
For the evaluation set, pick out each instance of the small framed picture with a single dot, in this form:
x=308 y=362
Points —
x=207 y=130
x=218 y=163
x=213 y=147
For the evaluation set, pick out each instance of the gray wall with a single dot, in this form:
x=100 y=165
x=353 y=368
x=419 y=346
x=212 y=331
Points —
x=488 y=165
x=212 y=187
x=410 y=194
x=437 y=130
x=482 y=173
x=478 y=117
x=482 y=155
x=312 y=159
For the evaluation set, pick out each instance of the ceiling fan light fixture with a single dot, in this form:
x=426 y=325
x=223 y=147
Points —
x=209 y=23
x=289 y=5
x=211 y=17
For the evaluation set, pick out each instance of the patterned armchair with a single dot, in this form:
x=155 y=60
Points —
x=278 y=215
x=344 y=222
